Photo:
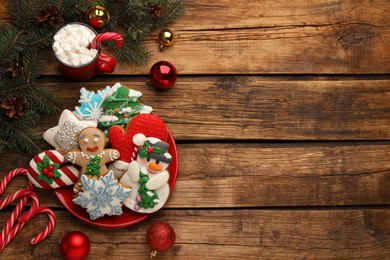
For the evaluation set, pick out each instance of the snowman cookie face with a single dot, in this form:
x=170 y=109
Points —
x=147 y=175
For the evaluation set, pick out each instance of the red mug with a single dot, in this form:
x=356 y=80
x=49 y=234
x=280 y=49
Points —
x=101 y=62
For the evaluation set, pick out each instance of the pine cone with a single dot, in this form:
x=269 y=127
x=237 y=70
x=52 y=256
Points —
x=49 y=15
x=15 y=67
x=14 y=106
x=155 y=11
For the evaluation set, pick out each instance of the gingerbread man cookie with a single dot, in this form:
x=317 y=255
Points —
x=92 y=157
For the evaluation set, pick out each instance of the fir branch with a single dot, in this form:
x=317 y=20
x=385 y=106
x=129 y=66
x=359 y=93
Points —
x=10 y=42
x=21 y=140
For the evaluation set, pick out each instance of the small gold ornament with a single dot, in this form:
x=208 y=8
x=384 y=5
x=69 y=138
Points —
x=166 y=38
x=97 y=16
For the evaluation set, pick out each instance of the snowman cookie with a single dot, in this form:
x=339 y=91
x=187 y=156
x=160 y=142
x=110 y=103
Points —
x=148 y=175
x=92 y=156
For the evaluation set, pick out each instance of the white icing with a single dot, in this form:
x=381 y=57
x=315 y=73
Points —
x=134 y=93
x=108 y=118
x=139 y=139
x=66 y=115
x=146 y=110
x=126 y=110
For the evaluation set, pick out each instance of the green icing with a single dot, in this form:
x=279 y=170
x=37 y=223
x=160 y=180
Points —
x=147 y=201
x=44 y=164
x=114 y=104
x=93 y=167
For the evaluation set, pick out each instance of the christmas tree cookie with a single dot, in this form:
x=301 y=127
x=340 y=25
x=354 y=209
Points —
x=121 y=105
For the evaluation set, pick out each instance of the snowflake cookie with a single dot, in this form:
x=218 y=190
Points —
x=102 y=196
x=91 y=104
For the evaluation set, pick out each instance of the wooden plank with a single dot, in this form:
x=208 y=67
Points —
x=256 y=108
x=267 y=37
x=288 y=37
x=268 y=175
x=218 y=234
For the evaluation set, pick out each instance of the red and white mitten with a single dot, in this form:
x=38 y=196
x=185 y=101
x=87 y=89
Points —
x=148 y=124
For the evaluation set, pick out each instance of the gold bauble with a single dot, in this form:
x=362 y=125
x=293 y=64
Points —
x=166 y=38
x=97 y=16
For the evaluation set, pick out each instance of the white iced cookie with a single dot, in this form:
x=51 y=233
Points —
x=102 y=196
x=147 y=175
x=64 y=135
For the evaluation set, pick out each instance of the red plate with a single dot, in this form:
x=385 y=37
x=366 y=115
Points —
x=129 y=217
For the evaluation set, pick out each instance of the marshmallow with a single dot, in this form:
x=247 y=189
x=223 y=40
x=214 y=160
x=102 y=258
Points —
x=71 y=45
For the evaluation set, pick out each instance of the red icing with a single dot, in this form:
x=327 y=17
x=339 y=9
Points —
x=150 y=149
x=93 y=149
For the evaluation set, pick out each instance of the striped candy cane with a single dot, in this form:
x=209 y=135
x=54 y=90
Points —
x=45 y=232
x=16 y=212
x=11 y=229
x=105 y=37
x=8 y=231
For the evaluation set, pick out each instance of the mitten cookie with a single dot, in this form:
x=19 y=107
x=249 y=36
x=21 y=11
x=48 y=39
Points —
x=149 y=125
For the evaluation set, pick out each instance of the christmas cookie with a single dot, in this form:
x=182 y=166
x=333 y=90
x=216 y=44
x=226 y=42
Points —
x=122 y=140
x=91 y=104
x=101 y=196
x=148 y=175
x=121 y=105
x=92 y=156
x=45 y=171
x=64 y=135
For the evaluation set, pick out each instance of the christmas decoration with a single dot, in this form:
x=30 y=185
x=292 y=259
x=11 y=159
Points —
x=162 y=75
x=102 y=196
x=14 y=106
x=31 y=29
x=75 y=245
x=121 y=105
x=16 y=222
x=97 y=16
x=48 y=170
x=91 y=104
x=160 y=237
x=49 y=15
x=166 y=38
x=16 y=67
x=155 y=10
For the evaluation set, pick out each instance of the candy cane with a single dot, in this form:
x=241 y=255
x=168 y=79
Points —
x=50 y=226
x=15 y=214
x=45 y=232
x=9 y=232
x=105 y=37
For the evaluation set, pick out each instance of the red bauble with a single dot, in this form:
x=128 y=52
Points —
x=75 y=246
x=160 y=237
x=163 y=75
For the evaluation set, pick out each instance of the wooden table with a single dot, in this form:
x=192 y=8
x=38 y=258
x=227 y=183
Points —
x=281 y=115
